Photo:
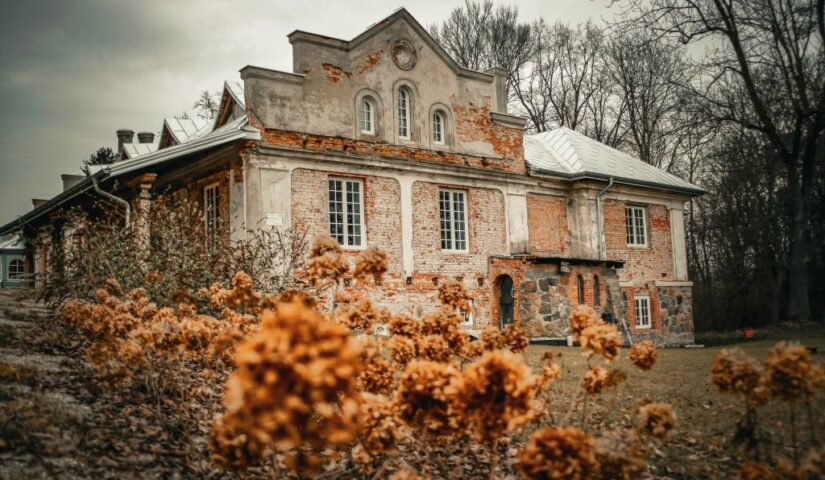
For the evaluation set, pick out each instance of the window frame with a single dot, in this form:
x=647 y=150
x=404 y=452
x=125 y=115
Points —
x=212 y=230
x=468 y=318
x=632 y=226
x=597 y=293
x=452 y=220
x=345 y=181
x=637 y=300
x=365 y=101
x=580 y=289
x=440 y=129
x=404 y=95
x=18 y=275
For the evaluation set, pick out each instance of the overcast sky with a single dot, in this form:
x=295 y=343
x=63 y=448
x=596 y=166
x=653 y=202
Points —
x=71 y=73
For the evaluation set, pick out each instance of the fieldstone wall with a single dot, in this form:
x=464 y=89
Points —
x=543 y=306
x=676 y=315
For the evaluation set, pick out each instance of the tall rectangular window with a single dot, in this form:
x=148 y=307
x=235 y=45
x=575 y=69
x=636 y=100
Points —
x=636 y=226
x=453 y=212
x=642 y=312
x=212 y=213
x=345 y=207
x=366 y=117
x=403 y=113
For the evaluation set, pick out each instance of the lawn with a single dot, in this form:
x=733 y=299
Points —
x=701 y=445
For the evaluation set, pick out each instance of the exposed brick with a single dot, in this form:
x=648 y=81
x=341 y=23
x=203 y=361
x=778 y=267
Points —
x=641 y=263
x=547 y=225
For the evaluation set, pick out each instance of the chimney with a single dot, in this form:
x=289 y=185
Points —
x=70 y=180
x=499 y=89
x=146 y=137
x=38 y=201
x=124 y=135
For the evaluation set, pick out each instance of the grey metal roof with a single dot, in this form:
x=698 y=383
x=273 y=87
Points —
x=134 y=150
x=235 y=89
x=185 y=129
x=11 y=242
x=571 y=154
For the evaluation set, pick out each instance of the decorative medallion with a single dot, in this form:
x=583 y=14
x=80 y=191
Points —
x=403 y=54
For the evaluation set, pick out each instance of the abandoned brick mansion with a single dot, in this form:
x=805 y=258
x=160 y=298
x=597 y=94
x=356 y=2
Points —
x=385 y=140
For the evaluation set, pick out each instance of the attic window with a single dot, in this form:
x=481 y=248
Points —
x=367 y=117
x=403 y=113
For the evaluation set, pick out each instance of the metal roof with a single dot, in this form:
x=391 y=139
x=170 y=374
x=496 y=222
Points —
x=11 y=242
x=185 y=129
x=133 y=150
x=568 y=153
x=234 y=130
x=235 y=89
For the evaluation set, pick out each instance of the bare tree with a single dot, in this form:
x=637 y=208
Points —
x=207 y=104
x=765 y=71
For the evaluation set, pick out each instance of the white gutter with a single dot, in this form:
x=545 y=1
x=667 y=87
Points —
x=600 y=218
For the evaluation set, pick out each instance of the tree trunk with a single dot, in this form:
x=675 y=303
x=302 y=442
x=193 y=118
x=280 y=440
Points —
x=799 y=307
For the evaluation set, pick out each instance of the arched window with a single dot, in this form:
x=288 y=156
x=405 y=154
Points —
x=16 y=269
x=580 y=289
x=403 y=113
x=367 y=117
x=438 y=128
x=597 y=294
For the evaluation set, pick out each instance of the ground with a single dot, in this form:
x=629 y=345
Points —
x=55 y=422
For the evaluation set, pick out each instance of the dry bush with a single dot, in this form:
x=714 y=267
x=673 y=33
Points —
x=788 y=375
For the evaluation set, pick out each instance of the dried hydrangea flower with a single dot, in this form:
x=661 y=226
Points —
x=361 y=316
x=643 y=354
x=581 y=318
x=790 y=374
x=734 y=371
x=496 y=395
x=434 y=347
x=406 y=474
x=595 y=380
x=656 y=419
x=453 y=294
x=559 y=454
x=372 y=261
x=550 y=374
x=380 y=426
x=404 y=326
x=600 y=338
x=402 y=349
x=513 y=338
x=295 y=385
x=425 y=397
x=326 y=263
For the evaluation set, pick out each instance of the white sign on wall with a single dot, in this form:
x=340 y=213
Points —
x=274 y=219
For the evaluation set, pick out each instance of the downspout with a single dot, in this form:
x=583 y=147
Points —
x=600 y=218
x=126 y=206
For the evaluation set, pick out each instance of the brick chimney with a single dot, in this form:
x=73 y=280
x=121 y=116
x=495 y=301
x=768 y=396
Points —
x=146 y=137
x=124 y=135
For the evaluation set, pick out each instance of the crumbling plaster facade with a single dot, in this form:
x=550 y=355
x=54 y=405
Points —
x=310 y=133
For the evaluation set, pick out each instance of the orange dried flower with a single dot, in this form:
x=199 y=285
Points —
x=372 y=261
x=581 y=318
x=326 y=260
x=425 y=397
x=756 y=471
x=595 y=380
x=496 y=395
x=790 y=374
x=734 y=371
x=452 y=294
x=435 y=348
x=550 y=374
x=295 y=385
x=656 y=419
x=559 y=454
x=643 y=354
x=380 y=427
x=402 y=349
x=404 y=326
x=362 y=316
x=600 y=338
x=405 y=474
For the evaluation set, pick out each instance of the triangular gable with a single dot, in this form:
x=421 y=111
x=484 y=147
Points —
x=399 y=14
x=231 y=98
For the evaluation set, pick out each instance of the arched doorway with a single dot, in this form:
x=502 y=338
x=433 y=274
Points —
x=506 y=300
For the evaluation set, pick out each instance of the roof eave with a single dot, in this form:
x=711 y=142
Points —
x=694 y=192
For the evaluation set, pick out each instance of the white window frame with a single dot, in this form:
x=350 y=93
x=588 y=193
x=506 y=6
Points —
x=212 y=226
x=343 y=239
x=21 y=273
x=469 y=316
x=402 y=109
x=636 y=218
x=438 y=128
x=451 y=219
x=367 y=115
x=642 y=315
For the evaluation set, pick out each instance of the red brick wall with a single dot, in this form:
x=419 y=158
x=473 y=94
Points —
x=653 y=262
x=486 y=228
x=547 y=225
x=382 y=210
x=510 y=141
x=655 y=323
x=570 y=281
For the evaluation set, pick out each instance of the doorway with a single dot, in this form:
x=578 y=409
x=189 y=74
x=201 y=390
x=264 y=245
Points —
x=506 y=300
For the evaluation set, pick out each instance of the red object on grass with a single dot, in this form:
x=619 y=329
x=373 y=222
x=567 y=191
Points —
x=748 y=332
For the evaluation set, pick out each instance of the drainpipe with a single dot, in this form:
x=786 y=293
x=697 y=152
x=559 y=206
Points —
x=600 y=219
x=126 y=206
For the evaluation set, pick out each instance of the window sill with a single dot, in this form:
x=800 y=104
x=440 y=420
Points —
x=638 y=247
x=455 y=252
x=643 y=328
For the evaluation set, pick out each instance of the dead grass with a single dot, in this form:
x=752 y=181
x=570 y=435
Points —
x=701 y=446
